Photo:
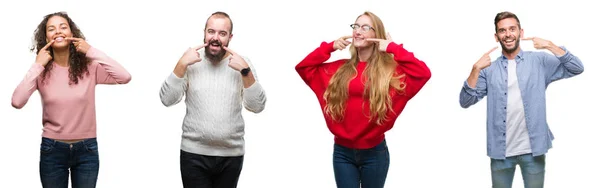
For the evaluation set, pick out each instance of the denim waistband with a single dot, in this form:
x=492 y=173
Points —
x=59 y=144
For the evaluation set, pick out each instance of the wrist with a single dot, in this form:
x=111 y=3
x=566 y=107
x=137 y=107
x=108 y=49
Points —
x=551 y=46
x=180 y=70
x=556 y=50
x=245 y=71
x=181 y=64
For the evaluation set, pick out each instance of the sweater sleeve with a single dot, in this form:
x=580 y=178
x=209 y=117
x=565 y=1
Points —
x=173 y=89
x=108 y=71
x=309 y=66
x=254 y=98
x=27 y=86
x=417 y=72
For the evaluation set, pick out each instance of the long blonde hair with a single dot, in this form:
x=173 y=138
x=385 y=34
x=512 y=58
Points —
x=379 y=76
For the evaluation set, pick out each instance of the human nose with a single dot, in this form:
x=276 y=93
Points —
x=214 y=37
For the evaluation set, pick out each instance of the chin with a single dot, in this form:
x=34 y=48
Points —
x=362 y=46
x=215 y=52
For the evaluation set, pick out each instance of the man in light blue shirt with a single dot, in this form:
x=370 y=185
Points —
x=515 y=84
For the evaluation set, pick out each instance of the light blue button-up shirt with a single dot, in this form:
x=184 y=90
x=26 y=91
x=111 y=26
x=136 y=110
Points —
x=535 y=71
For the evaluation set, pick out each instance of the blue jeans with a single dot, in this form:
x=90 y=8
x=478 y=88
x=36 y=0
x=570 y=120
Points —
x=202 y=171
x=532 y=170
x=57 y=158
x=366 y=168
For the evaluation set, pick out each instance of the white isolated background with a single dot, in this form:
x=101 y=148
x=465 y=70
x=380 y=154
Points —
x=435 y=143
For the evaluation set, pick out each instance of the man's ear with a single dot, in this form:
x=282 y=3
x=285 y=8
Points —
x=522 y=32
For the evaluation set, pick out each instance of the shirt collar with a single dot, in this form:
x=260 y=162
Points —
x=519 y=55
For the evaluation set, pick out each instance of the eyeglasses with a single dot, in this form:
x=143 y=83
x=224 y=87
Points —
x=364 y=28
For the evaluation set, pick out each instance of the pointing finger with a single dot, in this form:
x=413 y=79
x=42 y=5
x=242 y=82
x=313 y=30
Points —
x=196 y=48
x=229 y=50
x=347 y=37
x=527 y=38
x=488 y=53
x=374 y=39
x=47 y=45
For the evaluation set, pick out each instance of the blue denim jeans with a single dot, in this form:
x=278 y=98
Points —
x=356 y=168
x=532 y=170
x=58 y=158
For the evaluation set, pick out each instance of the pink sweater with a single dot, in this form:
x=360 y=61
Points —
x=69 y=111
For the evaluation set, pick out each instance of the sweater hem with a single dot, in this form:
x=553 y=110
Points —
x=63 y=136
x=200 y=149
x=359 y=144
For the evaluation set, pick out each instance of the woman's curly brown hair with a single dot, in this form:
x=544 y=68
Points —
x=78 y=63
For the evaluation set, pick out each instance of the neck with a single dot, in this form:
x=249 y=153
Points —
x=512 y=55
x=365 y=53
x=61 y=57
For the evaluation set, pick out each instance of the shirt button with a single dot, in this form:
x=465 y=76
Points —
x=503 y=134
x=505 y=107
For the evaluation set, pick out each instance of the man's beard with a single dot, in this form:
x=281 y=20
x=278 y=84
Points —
x=215 y=58
x=510 y=50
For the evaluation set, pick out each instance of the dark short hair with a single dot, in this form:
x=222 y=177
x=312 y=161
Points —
x=223 y=15
x=504 y=15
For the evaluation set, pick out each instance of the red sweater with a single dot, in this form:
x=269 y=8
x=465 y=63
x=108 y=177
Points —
x=356 y=130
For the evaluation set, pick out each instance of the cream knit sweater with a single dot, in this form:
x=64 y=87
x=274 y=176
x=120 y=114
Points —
x=214 y=96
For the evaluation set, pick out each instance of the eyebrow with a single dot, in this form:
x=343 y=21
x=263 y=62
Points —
x=363 y=24
x=61 y=24
x=510 y=27
x=217 y=30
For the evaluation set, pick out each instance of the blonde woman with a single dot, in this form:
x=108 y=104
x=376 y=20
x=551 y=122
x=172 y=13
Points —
x=362 y=97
